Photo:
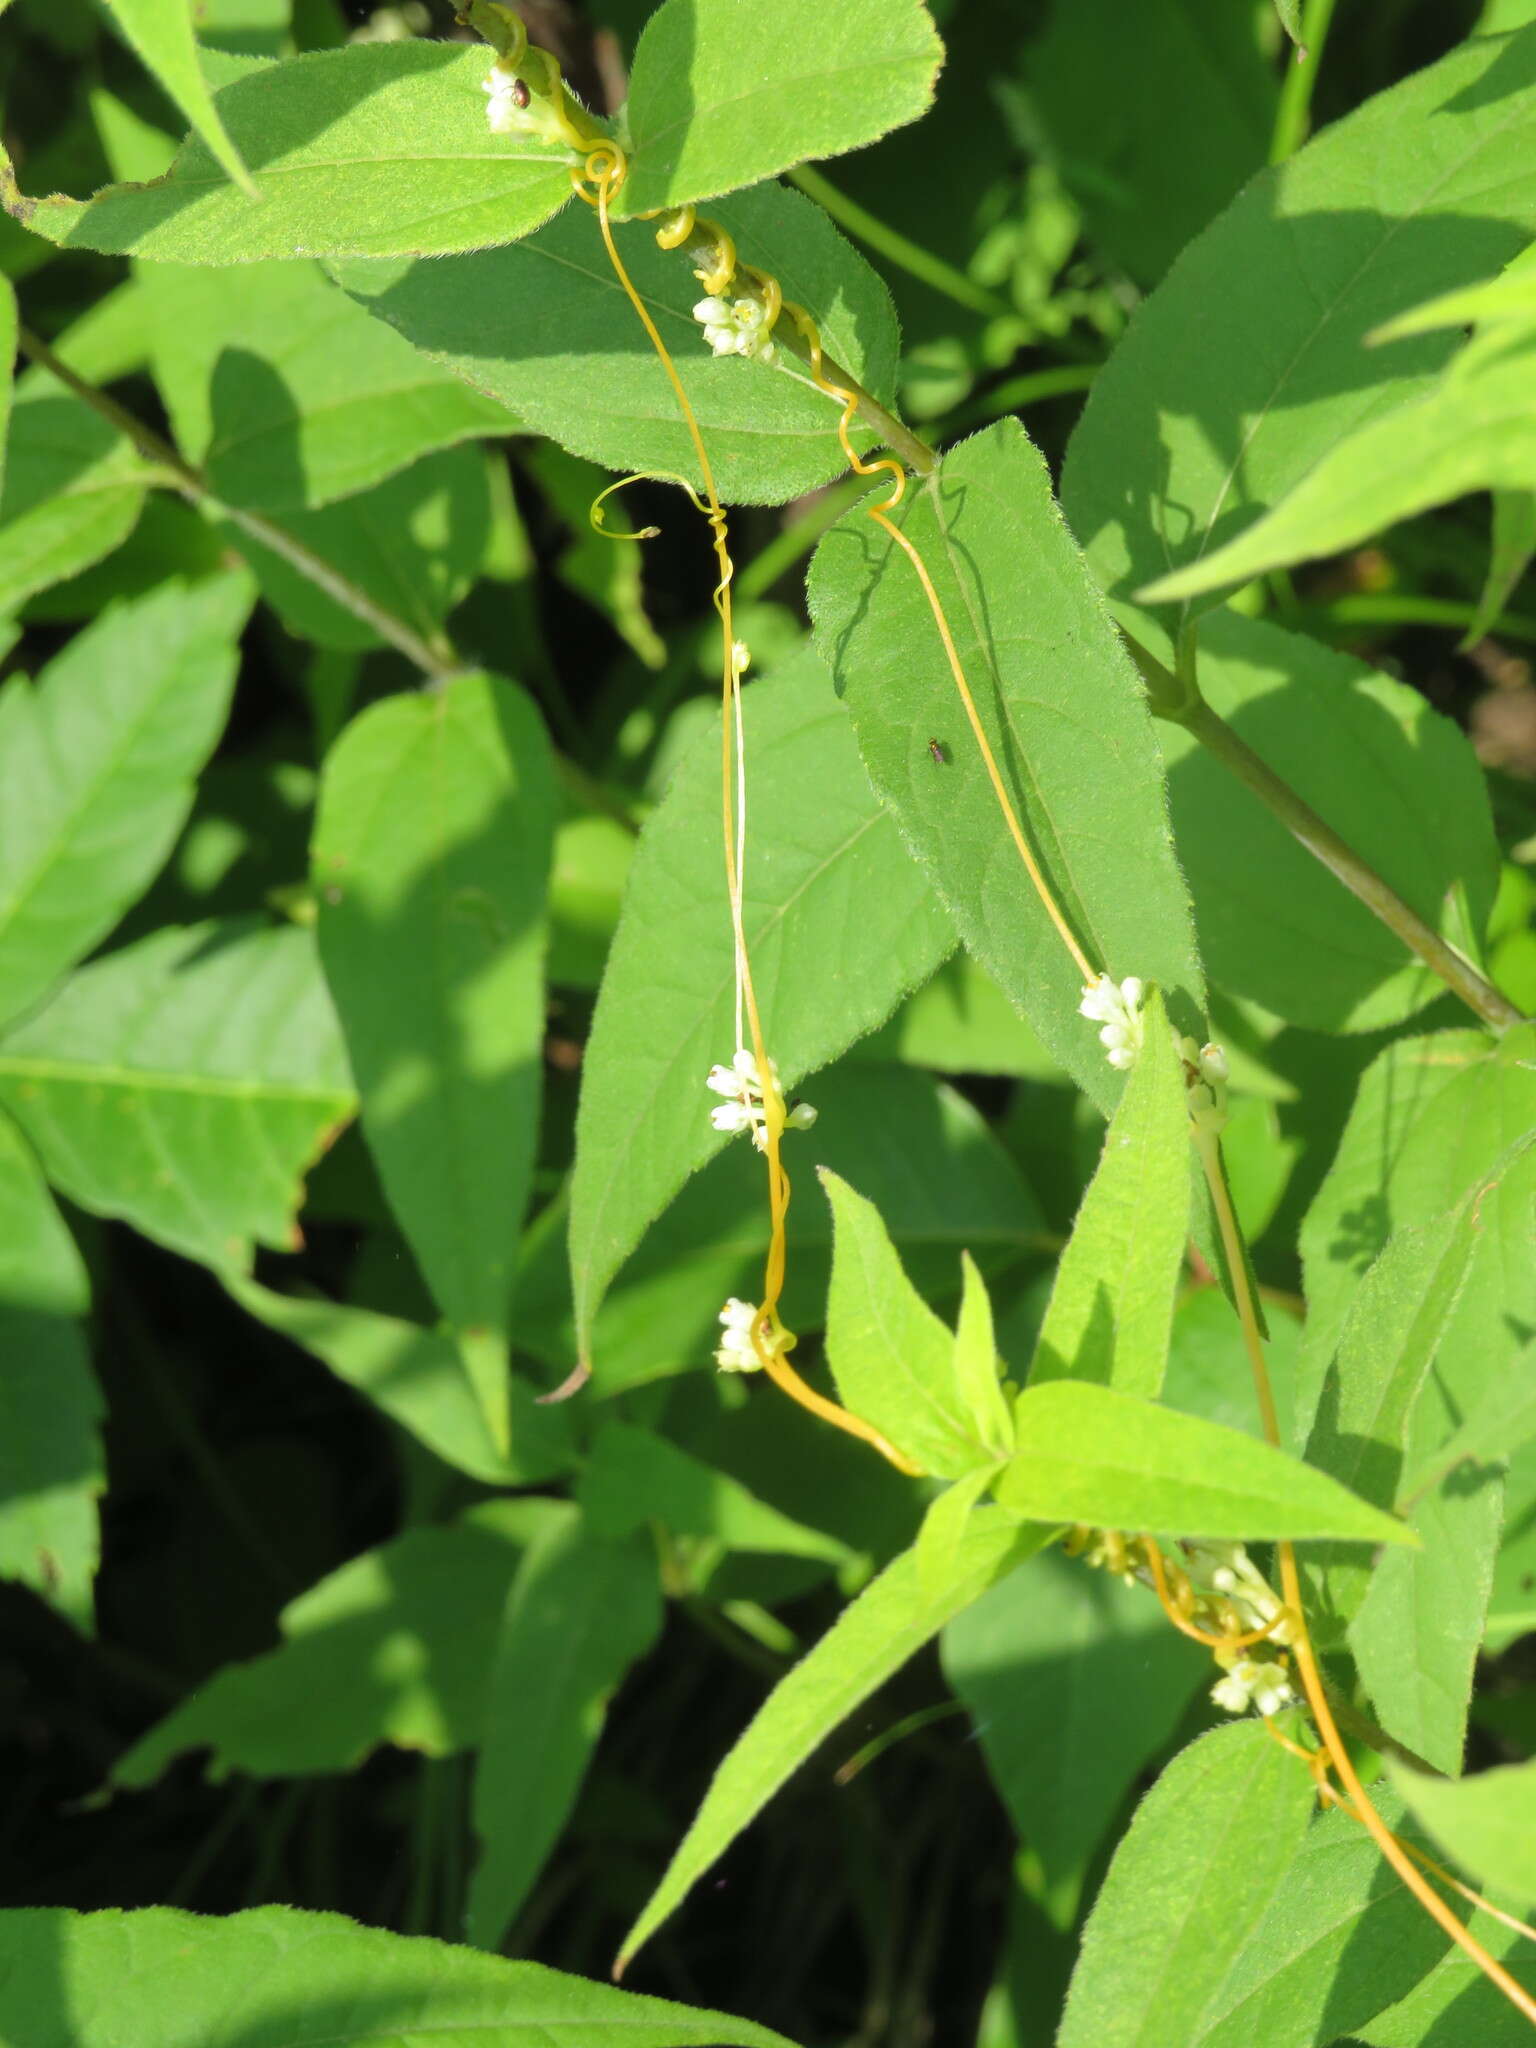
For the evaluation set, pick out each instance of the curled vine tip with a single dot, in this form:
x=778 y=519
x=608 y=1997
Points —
x=599 y=519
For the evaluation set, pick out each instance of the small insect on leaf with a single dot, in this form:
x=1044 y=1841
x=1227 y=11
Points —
x=939 y=752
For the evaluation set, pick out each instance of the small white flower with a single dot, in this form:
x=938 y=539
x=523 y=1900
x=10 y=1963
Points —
x=1228 y=1570
x=731 y=1117
x=1205 y=1079
x=800 y=1117
x=735 y=327
x=1253 y=1682
x=741 y=657
x=742 y=1085
x=502 y=110
x=1117 y=1007
x=736 y=1351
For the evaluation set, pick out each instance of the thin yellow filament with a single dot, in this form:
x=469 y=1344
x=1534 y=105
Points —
x=605 y=170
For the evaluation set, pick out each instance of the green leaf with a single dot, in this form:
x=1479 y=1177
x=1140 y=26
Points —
x=1341 y=1938
x=1456 y=2001
x=1111 y=1310
x=414 y=544
x=1352 y=1215
x=1289 y=12
x=892 y=1359
x=418 y=1379
x=287 y=395
x=928 y=1160
x=1487 y=1823
x=1395 y=778
x=1072 y=736
x=1472 y=430
x=943 y=1527
x=1514 y=545
x=1504 y=1421
x=1430 y=1116
x=580 y=1611
x=975 y=1363
x=161 y=32
x=1190 y=1884
x=7 y=365
x=840 y=925
x=960 y=1022
x=52 y=1470
x=184 y=1084
x=395 y=1646
x=1143 y=189
x=1089 y=1454
x=1427 y=186
x=633 y=1477
x=1417 y=1634
x=721 y=95
x=1394 y=1329
x=1075 y=1682
x=545 y=328
x=874 y=1636
x=431 y=861
x=1208 y=1373
x=379 y=149
x=269 y=1977
x=97 y=766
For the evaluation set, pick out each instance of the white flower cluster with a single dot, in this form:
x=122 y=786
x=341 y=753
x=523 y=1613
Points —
x=1117 y=1007
x=1260 y=1682
x=1205 y=1077
x=1250 y=1600
x=736 y=327
x=742 y=1085
x=736 y=1351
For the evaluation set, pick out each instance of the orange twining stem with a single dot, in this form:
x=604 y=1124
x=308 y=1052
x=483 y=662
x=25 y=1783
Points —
x=880 y=515
x=604 y=170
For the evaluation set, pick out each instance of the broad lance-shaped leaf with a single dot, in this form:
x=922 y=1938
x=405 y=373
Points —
x=161 y=32
x=580 y=1611
x=874 y=1636
x=1428 y=186
x=1190 y=1884
x=395 y=1646
x=892 y=1359
x=79 y=1980
x=52 y=1470
x=97 y=765
x=418 y=1379
x=1064 y=712
x=1111 y=1309
x=840 y=925
x=1074 y=1683
x=185 y=1084
x=431 y=861
x=1398 y=780
x=379 y=149
x=287 y=395
x=1472 y=431
x=1089 y=1454
x=545 y=328
x=1487 y=1823
x=723 y=95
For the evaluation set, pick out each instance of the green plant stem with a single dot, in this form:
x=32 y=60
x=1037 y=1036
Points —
x=437 y=660
x=897 y=248
x=895 y=433
x=1386 y=608
x=1290 y=129
x=1059 y=381
x=1346 y=866
x=796 y=540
